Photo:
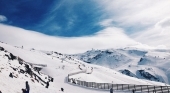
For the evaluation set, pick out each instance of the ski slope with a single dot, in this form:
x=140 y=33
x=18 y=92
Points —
x=58 y=68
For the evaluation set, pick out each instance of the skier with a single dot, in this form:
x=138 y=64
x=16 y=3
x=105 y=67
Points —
x=111 y=90
x=23 y=91
x=47 y=84
x=27 y=87
x=62 y=89
x=11 y=75
x=133 y=91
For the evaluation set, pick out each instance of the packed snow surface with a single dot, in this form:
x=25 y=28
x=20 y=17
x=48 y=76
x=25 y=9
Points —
x=58 y=66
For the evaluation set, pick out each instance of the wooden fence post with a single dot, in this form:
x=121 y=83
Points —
x=148 y=88
x=168 y=89
x=86 y=83
x=161 y=89
x=108 y=86
x=97 y=85
x=89 y=84
x=122 y=86
x=135 y=87
x=104 y=85
x=81 y=83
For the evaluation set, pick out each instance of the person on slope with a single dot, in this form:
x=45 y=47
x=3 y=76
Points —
x=111 y=90
x=62 y=89
x=47 y=84
x=27 y=87
x=23 y=90
x=133 y=91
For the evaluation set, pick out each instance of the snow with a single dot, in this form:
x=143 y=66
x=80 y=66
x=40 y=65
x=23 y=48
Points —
x=59 y=68
x=156 y=62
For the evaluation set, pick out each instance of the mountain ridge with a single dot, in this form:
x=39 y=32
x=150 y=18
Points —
x=124 y=60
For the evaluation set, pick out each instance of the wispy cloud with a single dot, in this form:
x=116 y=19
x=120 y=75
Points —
x=132 y=13
x=145 y=21
x=107 y=23
x=157 y=35
x=101 y=23
x=107 y=38
x=3 y=18
x=164 y=23
x=72 y=18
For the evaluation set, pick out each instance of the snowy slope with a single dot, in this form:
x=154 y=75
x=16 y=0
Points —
x=140 y=63
x=57 y=66
x=54 y=68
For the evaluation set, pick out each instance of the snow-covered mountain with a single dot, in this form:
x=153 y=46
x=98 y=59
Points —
x=140 y=63
x=55 y=67
x=16 y=67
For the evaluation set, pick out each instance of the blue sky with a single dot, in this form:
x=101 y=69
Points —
x=68 y=18
x=54 y=17
x=97 y=23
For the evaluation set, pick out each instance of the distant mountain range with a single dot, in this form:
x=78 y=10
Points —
x=140 y=63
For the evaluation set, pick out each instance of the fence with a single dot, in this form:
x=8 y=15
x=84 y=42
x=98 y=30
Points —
x=42 y=65
x=125 y=87
x=83 y=71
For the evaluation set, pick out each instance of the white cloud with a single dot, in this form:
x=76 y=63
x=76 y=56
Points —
x=3 y=18
x=158 y=35
x=164 y=23
x=106 y=23
x=136 y=12
x=151 y=15
x=161 y=47
x=107 y=38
